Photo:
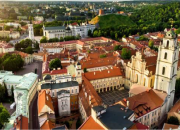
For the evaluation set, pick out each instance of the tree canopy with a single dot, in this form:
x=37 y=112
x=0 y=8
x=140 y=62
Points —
x=126 y=54
x=4 y=115
x=56 y=63
x=173 y=120
x=11 y=62
x=151 y=44
x=26 y=46
x=117 y=47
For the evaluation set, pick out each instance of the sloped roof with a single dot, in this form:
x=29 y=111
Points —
x=114 y=72
x=48 y=125
x=143 y=100
x=54 y=28
x=44 y=99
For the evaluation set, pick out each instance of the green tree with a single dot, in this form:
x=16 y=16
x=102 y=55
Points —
x=29 y=50
x=116 y=36
x=53 y=40
x=4 y=115
x=56 y=63
x=78 y=123
x=126 y=54
x=117 y=47
x=102 y=56
x=61 y=39
x=2 y=93
x=95 y=33
x=177 y=87
x=85 y=70
x=151 y=44
x=43 y=40
x=173 y=120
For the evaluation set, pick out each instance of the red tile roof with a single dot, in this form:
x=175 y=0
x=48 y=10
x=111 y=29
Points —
x=61 y=71
x=90 y=124
x=21 y=123
x=44 y=99
x=114 y=72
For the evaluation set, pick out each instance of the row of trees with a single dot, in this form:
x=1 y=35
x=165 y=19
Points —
x=67 y=38
x=27 y=46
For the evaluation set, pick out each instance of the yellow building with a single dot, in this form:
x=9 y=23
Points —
x=140 y=70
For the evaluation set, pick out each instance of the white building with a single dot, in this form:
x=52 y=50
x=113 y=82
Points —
x=64 y=103
x=56 y=32
x=15 y=25
x=31 y=31
x=38 y=18
x=81 y=30
x=6 y=47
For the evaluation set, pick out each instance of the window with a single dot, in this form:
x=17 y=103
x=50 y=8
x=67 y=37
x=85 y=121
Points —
x=148 y=116
x=145 y=118
x=165 y=55
x=163 y=71
x=173 y=71
x=72 y=103
x=152 y=113
x=155 y=113
x=175 y=56
x=76 y=90
x=167 y=45
x=72 y=90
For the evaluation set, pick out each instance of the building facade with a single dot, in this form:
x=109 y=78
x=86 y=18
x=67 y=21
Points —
x=140 y=71
x=56 y=32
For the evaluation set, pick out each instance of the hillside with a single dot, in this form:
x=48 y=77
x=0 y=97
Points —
x=112 y=20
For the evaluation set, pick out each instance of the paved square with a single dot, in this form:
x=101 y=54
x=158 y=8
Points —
x=110 y=97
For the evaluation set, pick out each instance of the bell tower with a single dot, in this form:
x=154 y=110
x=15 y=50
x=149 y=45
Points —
x=31 y=31
x=166 y=69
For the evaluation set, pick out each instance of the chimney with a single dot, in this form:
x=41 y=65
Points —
x=47 y=98
x=94 y=73
x=108 y=71
x=59 y=68
x=89 y=99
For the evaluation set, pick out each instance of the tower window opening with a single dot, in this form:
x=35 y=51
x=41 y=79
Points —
x=167 y=45
x=165 y=55
x=163 y=71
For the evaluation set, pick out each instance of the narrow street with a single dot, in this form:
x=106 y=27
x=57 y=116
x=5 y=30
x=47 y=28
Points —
x=33 y=114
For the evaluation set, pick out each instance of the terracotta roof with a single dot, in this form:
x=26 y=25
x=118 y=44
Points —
x=90 y=124
x=48 y=125
x=61 y=71
x=98 y=62
x=143 y=100
x=22 y=54
x=44 y=99
x=22 y=123
x=89 y=89
x=170 y=126
x=176 y=107
x=140 y=126
x=114 y=72
x=150 y=60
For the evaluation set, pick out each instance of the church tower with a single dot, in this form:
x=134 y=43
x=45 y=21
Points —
x=78 y=73
x=31 y=31
x=166 y=69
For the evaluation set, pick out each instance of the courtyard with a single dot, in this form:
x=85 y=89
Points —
x=31 y=68
x=110 y=97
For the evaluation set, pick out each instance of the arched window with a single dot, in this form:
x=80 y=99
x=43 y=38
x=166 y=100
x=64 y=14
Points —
x=163 y=71
x=165 y=55
x=173 y=71
x=167 y=45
